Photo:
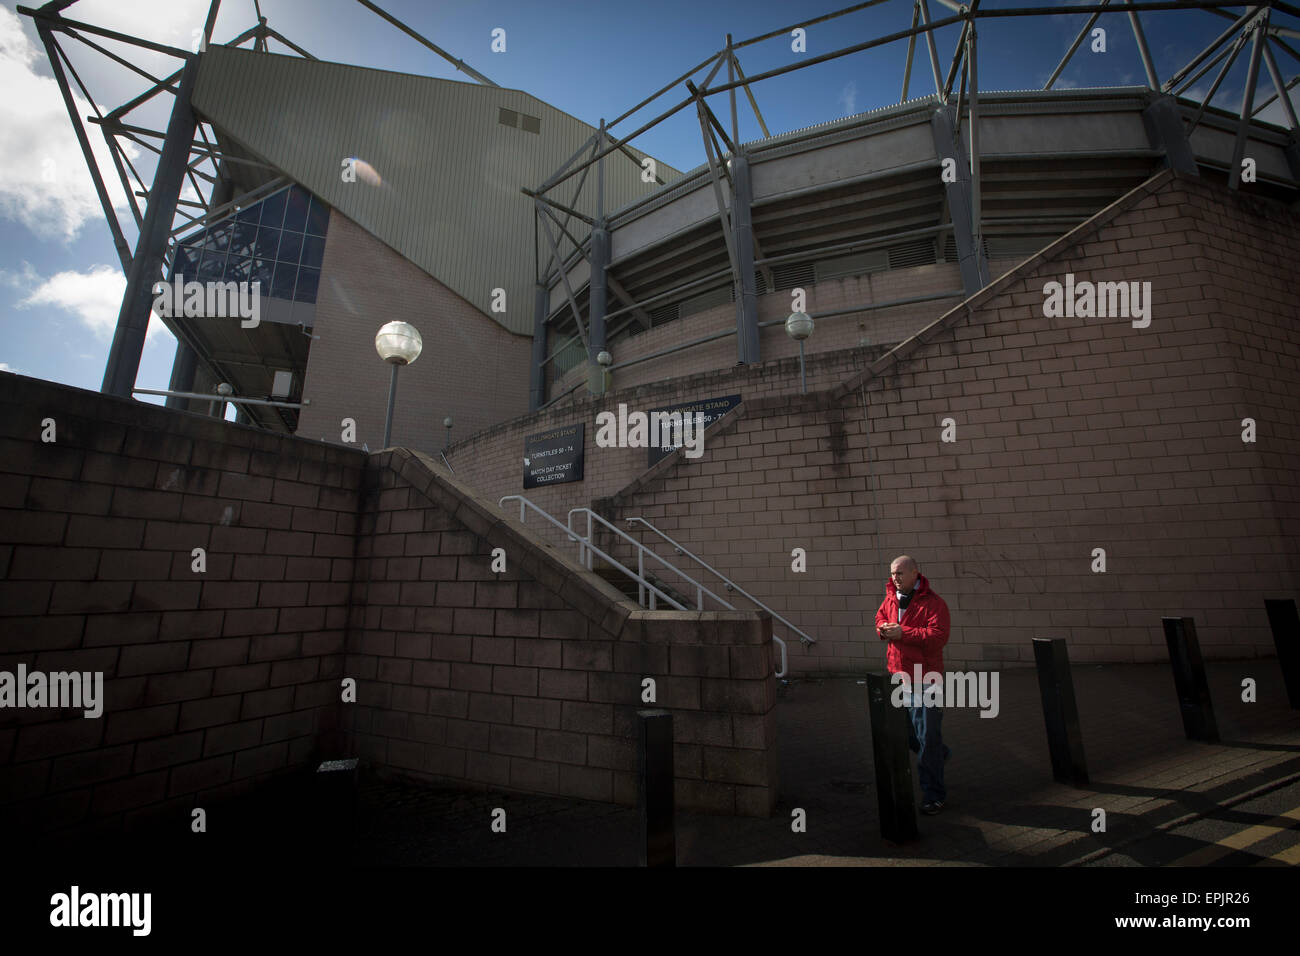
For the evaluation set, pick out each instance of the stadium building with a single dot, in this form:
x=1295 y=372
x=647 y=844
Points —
x=1078 y=472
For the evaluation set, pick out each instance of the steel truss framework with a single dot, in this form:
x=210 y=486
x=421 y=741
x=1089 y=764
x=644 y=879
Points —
x=727 y=159
x=188 y=151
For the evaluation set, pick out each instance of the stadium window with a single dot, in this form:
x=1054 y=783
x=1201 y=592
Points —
x=290 y=247
x=268 y=242
x=313 y=251
x=286 y=274
x=273 y=210
x=296 y=206
x=318 y=219
x=308 y=283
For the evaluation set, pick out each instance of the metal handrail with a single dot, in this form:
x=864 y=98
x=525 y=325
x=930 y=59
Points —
x=804 y=637
x=642 y=551
x=573 y=536
x=699 y=587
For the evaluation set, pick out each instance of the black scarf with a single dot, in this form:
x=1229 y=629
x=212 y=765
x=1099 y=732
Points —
x=904 y=599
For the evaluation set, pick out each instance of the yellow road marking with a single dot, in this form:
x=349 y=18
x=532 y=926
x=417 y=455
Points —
x=1244 y=838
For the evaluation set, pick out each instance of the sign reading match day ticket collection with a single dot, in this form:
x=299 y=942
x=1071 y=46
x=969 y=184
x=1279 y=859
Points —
x=554 y=457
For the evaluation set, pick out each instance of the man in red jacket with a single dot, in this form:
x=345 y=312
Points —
x=914 y=620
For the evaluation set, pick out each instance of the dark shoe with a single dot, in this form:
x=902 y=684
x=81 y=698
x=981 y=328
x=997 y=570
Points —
x=930 y=809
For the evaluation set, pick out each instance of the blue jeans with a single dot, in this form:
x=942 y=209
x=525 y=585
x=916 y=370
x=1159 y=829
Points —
x=926 y=741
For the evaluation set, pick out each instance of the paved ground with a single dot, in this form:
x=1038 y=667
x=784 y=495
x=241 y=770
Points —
x=1166 y=798
x=1004 y=809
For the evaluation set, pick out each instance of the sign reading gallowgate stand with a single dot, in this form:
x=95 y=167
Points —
x=711 y=408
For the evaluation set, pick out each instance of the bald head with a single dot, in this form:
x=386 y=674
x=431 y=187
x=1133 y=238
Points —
x=904 y=572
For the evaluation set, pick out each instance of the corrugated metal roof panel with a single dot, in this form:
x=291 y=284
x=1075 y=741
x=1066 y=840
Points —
x=450 y=172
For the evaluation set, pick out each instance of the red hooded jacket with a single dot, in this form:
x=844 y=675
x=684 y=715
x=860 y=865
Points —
x=925 y=629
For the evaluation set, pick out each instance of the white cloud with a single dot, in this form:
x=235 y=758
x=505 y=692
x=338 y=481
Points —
x=849 y=98
x=44 y=183
x=6 y=367
x=94 y=297
x=176 y=23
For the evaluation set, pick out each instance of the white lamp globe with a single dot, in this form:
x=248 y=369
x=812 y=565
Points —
x=799 y=326
x=399 y=343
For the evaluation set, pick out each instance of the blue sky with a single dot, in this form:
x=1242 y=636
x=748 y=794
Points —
x=60 y=282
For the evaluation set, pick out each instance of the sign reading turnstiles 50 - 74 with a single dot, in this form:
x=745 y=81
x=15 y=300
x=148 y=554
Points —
x=554 y=457
x=709 y=410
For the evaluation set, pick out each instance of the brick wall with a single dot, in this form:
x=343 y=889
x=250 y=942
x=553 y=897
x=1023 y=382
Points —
x=530 y=679
x=212 y=681
x=471 y=368
x=1072 y=434
x=216 y=681
x=492 y=461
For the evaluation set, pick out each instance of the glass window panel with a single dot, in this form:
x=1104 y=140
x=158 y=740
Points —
x=318 y=219
x=262 y=273
x=243 y=239
x=285 y=274
x=290 y=247
x=308 y=283
x=268 y=242
x=295 y=217
x=313 y=251
x=238 y=269
x=273 y=210
x=219 y=236
x=186 y=262
x=250 y=214
x=214 y=264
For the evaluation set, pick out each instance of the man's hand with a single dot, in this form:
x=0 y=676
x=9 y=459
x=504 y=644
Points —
x=891 y=632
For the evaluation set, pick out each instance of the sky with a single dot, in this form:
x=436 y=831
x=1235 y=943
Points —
x=61 y=281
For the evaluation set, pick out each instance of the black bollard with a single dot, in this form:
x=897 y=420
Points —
x=893 y=762
x=1285 y=622
x=334 y=802
x=655 y=800
x=1060 y=711
x=1189 y=679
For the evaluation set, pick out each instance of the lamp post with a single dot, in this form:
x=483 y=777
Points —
x=799 y=326
x=223 y=390
x=446 y=423
x=604 y=360
x=398 y=343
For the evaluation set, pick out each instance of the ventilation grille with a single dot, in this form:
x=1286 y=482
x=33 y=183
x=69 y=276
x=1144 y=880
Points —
x=793 y=275
x=855 y=265
x=661 y=315
x=950 y=247
x=708 y=300
x=908 y=254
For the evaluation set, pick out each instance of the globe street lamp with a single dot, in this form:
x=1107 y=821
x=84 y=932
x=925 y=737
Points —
x=446 y=423
x=398 y=343
x=799 y=326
